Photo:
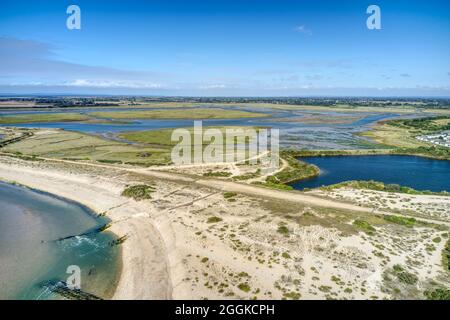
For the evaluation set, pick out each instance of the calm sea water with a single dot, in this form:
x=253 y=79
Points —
x=415 y=172
x=30 y=255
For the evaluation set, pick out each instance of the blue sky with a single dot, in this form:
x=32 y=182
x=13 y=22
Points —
x=226 y=48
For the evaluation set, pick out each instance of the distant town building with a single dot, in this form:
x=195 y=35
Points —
x=440 y=139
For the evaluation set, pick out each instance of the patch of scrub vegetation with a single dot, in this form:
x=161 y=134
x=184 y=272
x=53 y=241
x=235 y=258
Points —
x=213 y=219
x=365 y=226
x=325 y=217
x=380 y=186
x=139 y=192
x=292 y=295
x=407 y=277
x=223 y=174
x=244 y=287
x=402 y=283
x=296 y=170
x=272 y=185
x=283 y=230
x=404 y=276
x=438 y=294
x=109 y=161
x=404 y=221
x=446 y=257
x=229 y=194
x=249 y=175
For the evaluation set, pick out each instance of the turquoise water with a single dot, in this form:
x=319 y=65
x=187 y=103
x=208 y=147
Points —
x=415 y=172
x=31 y=223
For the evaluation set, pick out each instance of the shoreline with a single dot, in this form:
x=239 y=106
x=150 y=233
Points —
x=103 y=289
x=113 y=286
x=134 y=278
x=360 y=152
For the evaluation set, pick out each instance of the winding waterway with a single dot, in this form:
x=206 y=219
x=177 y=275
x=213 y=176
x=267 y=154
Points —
x=328 y=130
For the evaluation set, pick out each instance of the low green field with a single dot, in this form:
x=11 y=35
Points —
x=400 y=136
x=205 y=113
x=77 y=146
x=158 y=137
x=150 y=148
x=162 y=137
x=394 y=136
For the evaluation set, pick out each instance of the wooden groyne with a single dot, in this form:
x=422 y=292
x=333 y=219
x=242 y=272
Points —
x=63 y=289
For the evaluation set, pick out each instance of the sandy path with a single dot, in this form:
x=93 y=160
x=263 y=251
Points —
x=293 y=196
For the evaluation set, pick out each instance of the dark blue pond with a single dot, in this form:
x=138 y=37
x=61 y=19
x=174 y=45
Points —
x=411 y=171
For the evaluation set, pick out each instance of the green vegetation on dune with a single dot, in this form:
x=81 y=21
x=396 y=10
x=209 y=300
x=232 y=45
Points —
x=364 y=226
x=139 y=192
x=438 y=294
x=197 y=113
x=229 y=194
x=47 y=117
x=446 y=256
x=222 y=174
x=404 y=221
x=380 y=186
x=271 y=185
x=295 y=170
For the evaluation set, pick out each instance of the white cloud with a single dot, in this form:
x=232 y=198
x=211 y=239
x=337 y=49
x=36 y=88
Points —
x=213 y=86
x=112 y=84
x=303 y=29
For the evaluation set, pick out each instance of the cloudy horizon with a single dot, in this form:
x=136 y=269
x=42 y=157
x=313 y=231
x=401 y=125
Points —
x=226 y=49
